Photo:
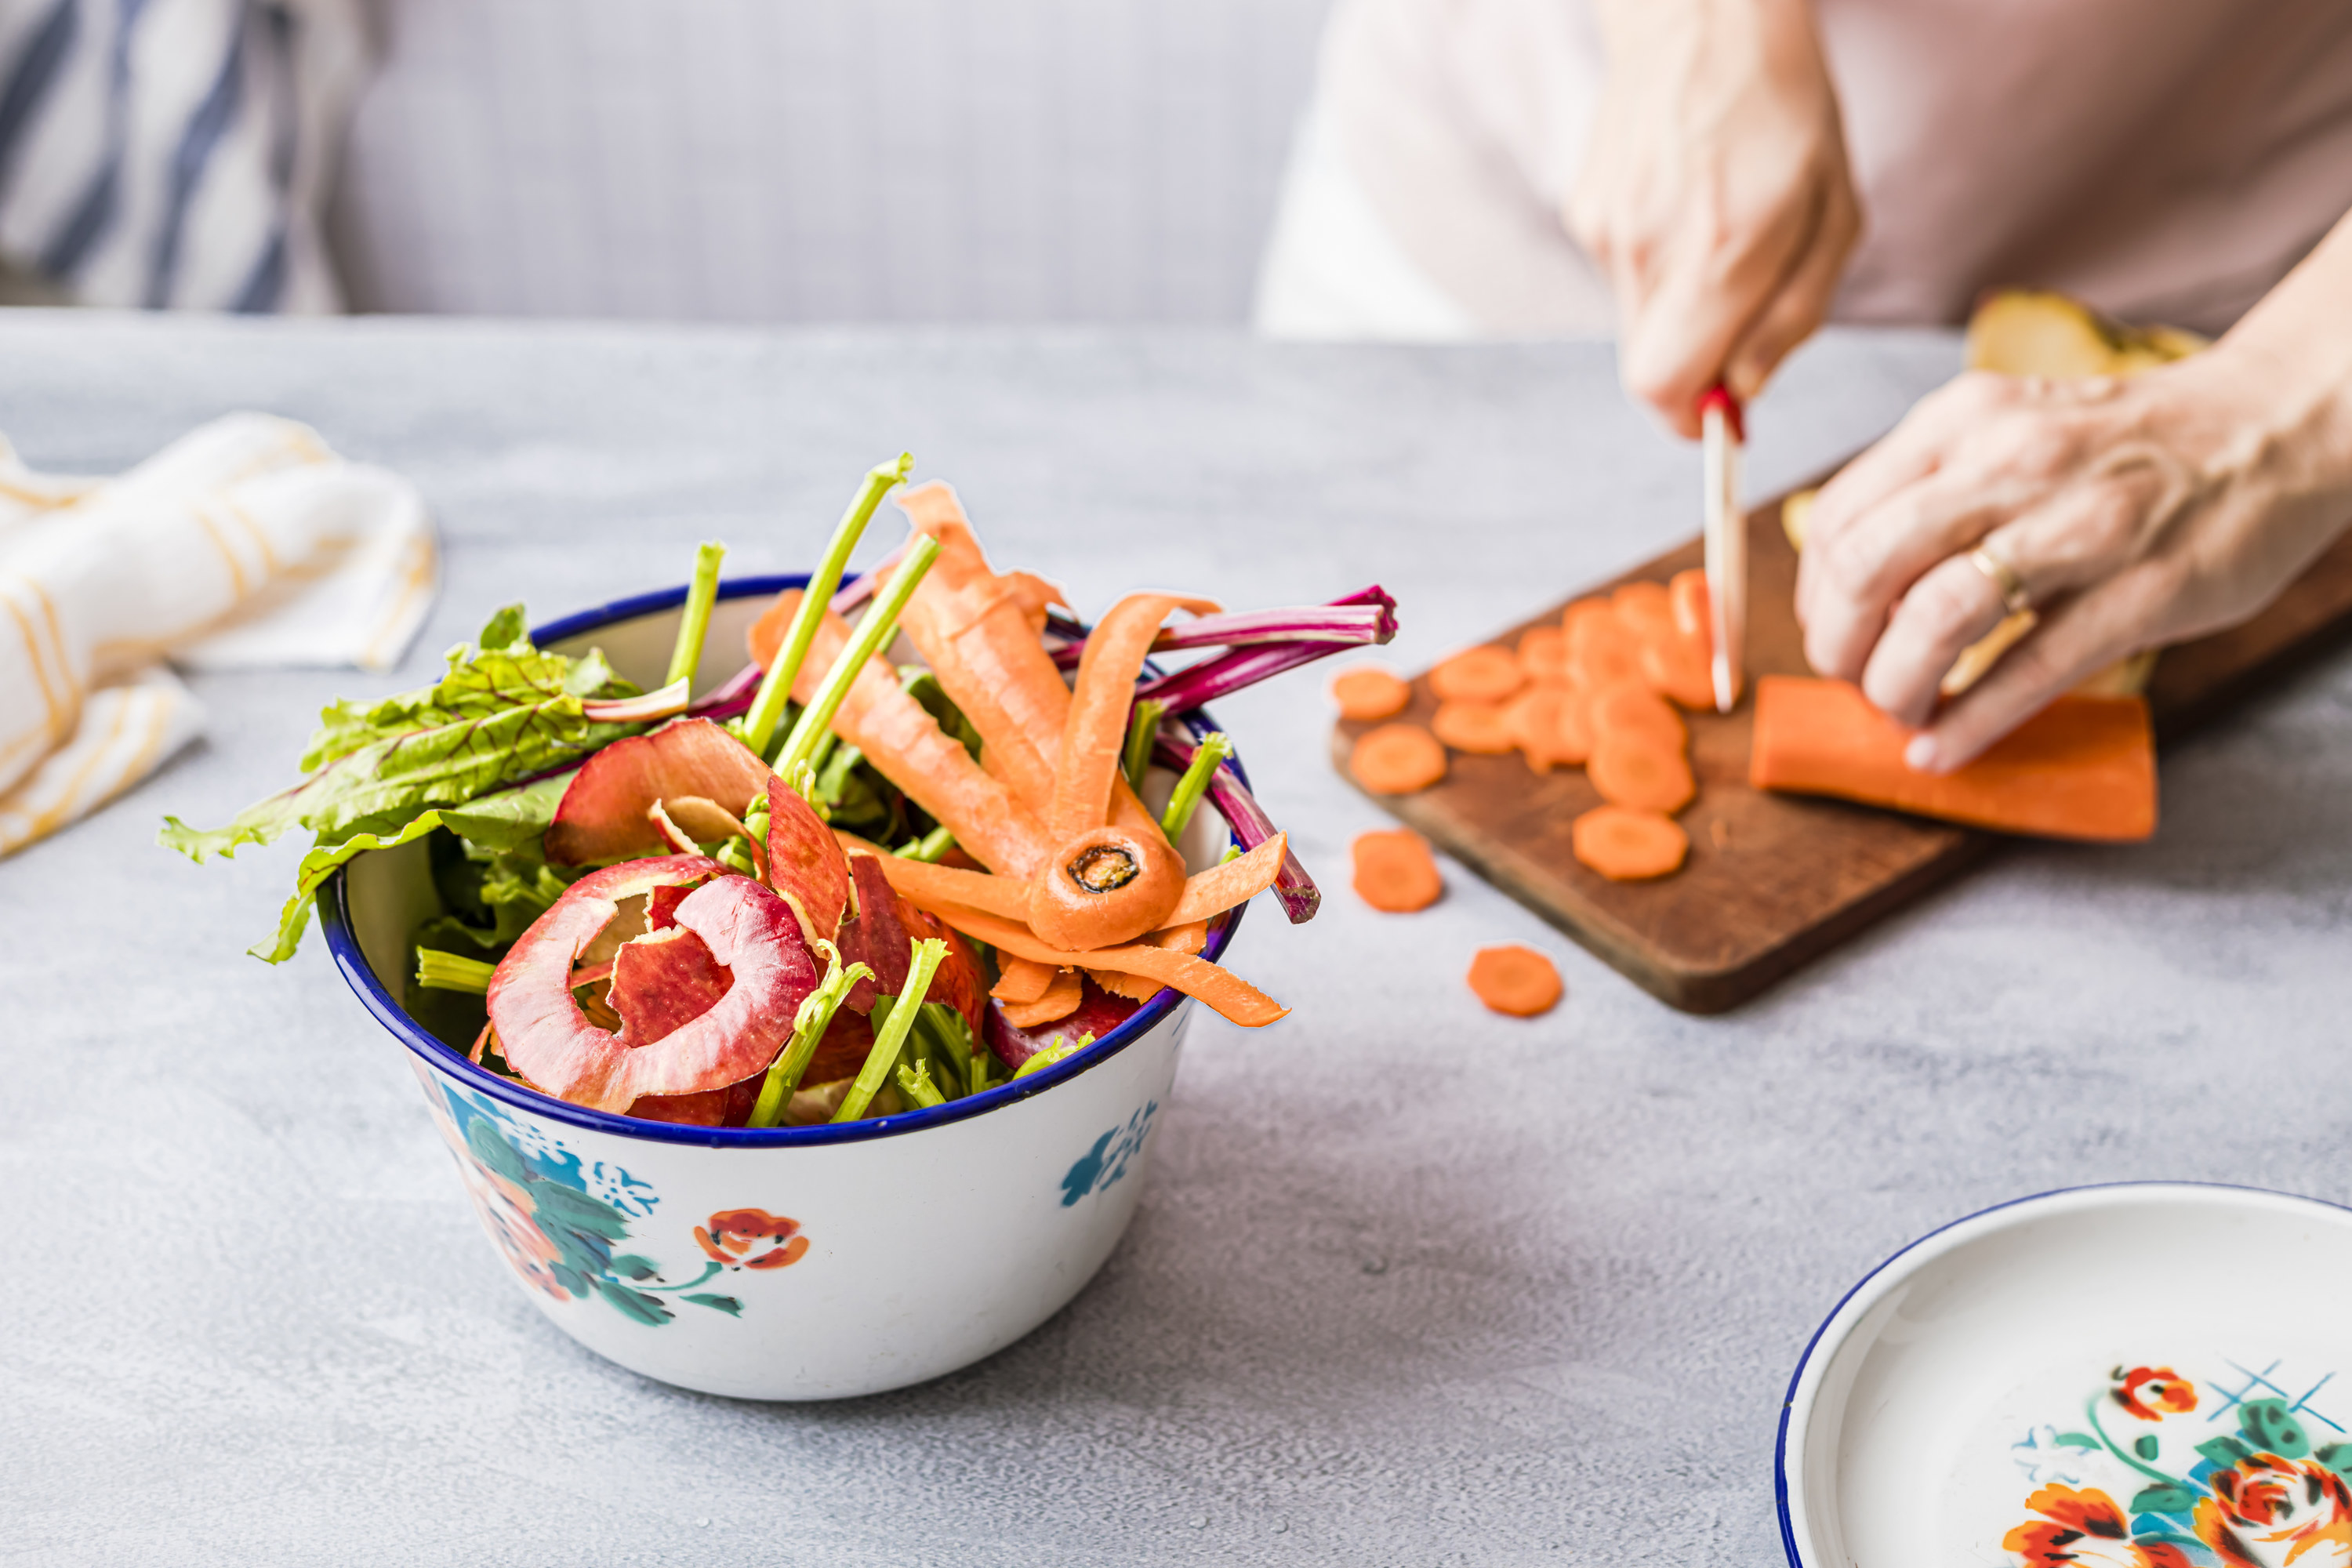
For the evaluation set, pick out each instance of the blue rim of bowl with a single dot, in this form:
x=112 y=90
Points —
x=1789 y=1399
x=335 y=920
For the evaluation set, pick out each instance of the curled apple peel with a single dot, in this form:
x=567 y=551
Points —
x=749 y=933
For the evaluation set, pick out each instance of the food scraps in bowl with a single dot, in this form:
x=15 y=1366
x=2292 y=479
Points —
x=832 y=886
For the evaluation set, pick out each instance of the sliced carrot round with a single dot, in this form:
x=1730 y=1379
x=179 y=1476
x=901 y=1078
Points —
x=1367 y=692
x=1631 y=708
x=1572 y=733
x=1486 y=674
x=1543 y=655
x=1628 y=846
x=1675 y=668
x=1634 y=770
x=1645 y=607
x=1481 y=727
x=1602 y=649
x=1397 y=759
x=1395 y=871
x=1693 y=618
x=1516 y=980
x=1534 y=720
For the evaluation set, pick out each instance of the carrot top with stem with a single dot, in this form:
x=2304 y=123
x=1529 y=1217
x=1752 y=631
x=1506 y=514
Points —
x=759 y=726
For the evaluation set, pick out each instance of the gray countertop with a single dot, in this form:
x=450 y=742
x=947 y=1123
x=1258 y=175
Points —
x=1410 y=1284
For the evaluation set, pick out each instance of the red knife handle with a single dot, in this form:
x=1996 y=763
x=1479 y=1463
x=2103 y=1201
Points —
x=1719 y=396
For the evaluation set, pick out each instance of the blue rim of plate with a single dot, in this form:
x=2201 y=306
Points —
x=335 y=922
x=1789 y=1399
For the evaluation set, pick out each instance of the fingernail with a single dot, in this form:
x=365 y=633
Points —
x=1919 y=756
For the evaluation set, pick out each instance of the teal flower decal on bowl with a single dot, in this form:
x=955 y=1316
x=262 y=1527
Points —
x=561 y=1222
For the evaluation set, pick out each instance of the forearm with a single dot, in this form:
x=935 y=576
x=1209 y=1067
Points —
x=2290 y=359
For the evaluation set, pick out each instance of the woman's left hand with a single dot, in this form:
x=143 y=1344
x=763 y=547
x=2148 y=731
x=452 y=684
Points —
x=2130 y=514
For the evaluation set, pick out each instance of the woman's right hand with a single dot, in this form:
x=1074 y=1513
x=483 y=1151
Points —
x=1715 y=196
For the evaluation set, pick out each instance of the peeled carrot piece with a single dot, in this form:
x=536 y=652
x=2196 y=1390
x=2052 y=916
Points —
x=1397 y=759
x=1628 y=846
x=1602 y=649
x=1632 y=769
x=907 y=743
x=1095 y=731
x=1227 y=993
x=1367 y=692
x=2084 y=767
x=1486 y=674
x=1189 y=939
x=1692 y=617
x=1064 y=990
x=1219 y=888
x=1676 y=667
x=1631 y=708
x=1515 y=980
x=1482 y=727
x=1533 y=718
x=1543 y=656
x=1022 y=979
x=1394 y=871
x=1646 y=608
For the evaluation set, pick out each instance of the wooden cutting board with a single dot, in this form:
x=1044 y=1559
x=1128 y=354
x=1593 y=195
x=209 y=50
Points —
x=1774 y=881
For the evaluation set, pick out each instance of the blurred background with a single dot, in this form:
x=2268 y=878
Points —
x=1001 y=161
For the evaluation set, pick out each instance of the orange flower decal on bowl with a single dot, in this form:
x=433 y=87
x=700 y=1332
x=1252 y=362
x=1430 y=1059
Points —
x=2267 y=1512
x=2148 y=1392
x=2084 y=1527
x=752 y=1239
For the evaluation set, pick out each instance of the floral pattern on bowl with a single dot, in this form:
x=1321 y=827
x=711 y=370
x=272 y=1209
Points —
x=2229 y=1468
x=559 y=1218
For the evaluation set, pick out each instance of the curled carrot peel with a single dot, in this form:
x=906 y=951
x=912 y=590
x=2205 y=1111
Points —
x=1227 y=993
x=1064 y=990
x=905 y=743
x=1219 y=888
x=1022 y=979
x=1092 y=735
x=1188 y=939
x=978 y=630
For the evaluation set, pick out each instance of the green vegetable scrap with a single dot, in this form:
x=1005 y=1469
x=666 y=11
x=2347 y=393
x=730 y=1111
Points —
x=890 y=1033
x=809 y=1025
x=386 y=772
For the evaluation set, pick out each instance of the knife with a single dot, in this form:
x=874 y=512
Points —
x=1727 y=541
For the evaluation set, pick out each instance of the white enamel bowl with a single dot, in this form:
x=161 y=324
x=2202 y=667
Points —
x=2141 y=1375
x=787 y=1263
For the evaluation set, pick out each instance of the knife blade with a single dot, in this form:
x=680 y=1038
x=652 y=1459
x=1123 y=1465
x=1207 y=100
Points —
x=1727 y=541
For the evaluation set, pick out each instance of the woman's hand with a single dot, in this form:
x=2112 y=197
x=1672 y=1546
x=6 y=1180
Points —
x=2132 y=513
x=1715 y=196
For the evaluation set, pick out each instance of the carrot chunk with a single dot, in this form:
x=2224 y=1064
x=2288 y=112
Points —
x=2084 y=767
x=1481 y=727
x=1394 y=871
x=1628 y=846
x=1692 y=617
x=1484 y=674
x=1634 y=770
x=1646 y=608
x=1677 y=667
x=1397 y=759
x=1631 y=708
x=1543 y=656
x=1367 y=692
x=1516 y=980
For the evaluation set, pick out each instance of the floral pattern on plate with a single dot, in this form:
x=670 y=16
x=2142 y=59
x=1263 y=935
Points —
x=2233 y=1468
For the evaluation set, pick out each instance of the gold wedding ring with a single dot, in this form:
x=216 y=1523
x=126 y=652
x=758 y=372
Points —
x=2014 y=599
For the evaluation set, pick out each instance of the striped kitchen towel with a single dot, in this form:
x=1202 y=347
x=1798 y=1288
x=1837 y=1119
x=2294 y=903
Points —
x=245 y=543
x=175 y=153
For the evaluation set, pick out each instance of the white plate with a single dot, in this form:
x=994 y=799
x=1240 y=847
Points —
x=2144 y=1375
